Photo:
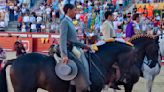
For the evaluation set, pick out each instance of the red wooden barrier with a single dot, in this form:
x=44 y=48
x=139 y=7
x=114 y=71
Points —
x=8 y=42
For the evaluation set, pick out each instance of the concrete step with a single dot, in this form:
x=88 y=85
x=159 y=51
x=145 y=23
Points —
x=12 y=25
x=11 y=30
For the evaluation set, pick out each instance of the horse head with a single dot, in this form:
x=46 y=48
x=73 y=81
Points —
x=117 y=52
x=147 y=46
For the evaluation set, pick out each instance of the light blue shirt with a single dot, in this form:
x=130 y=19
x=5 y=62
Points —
x=71 y=2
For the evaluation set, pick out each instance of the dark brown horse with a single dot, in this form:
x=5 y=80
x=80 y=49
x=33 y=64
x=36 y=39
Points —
x=32 y=71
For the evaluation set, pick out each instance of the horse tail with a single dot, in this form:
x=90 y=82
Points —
x=3 y=80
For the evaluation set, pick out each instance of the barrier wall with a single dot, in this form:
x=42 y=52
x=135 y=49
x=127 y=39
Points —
x=32 y=42
x=37 y=42
x=8 y=43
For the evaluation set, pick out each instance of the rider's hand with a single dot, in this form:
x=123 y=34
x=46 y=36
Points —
x=65 y=59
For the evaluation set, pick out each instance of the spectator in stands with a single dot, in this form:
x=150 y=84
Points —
x=48 y=25
x=11 y=15
x=20 y=20
x=39 y=19
x=145 y=12
x=33 y=27
x=135 y=9
x=24 y=9
x=129 y=29
x=140 y=10
x=144 y=27
x=43 y=27
x=26 y=19
x=136 y=21
x=38 y=27
x=48 y=12
x=52 y=29
x=15 y=12
x=32 y=18
x=42 y=7
x=150 y=9
x=23 y=28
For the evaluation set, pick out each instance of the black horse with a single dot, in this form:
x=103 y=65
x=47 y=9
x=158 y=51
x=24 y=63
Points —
x=32 y=71
x=146 y=46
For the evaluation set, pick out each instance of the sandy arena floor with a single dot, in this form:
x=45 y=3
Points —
x=139 y=87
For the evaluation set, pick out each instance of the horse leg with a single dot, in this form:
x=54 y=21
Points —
x=128 y=87
x=149 y=84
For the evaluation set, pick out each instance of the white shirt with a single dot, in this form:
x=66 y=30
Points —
x=26 y=19
x=43 y=26
x=39 y=12
x=53 y=13
x=136 y=26
x=23 y=10
x=107 y=30
x=39 y=19
x=48 y=10
x=33 y=26
x=2 y=24
x=42 y=7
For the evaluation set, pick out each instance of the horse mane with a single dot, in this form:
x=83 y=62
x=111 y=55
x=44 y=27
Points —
x=113 y=40
x=138 y=36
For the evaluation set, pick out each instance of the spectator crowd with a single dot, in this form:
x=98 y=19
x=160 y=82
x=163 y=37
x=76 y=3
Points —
x=89 y=18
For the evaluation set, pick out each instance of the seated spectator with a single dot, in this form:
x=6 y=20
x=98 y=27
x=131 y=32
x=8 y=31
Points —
x=48 y=26
x=23 y=29
x=33 y=27
x=38 y=27
x=52 y=29
x=32 y=19
x=39 y=19
x=43 y=27
x=42 y=7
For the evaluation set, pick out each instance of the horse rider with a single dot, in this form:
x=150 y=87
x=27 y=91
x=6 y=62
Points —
x=68 y=39
x=107 y=30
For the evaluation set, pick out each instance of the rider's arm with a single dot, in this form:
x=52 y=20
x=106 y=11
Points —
x=63 y=38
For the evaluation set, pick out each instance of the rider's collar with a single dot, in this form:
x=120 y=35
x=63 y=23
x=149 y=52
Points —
x=69 y=18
